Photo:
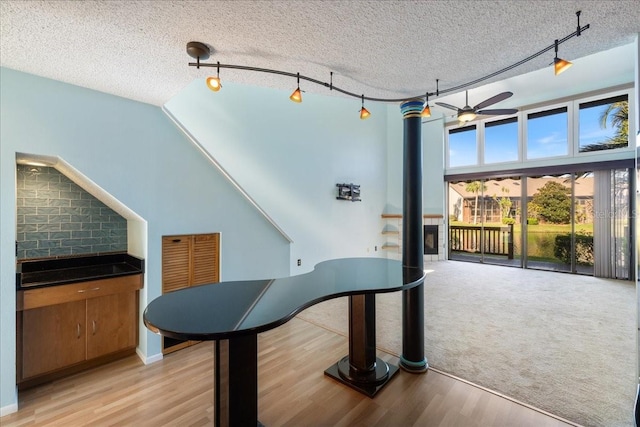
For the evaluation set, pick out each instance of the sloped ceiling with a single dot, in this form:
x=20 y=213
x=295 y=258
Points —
x=136 y=49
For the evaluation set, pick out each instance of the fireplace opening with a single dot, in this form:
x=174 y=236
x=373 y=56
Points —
x=431 y=240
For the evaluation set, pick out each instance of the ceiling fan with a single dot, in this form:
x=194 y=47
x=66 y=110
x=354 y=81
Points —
x=467 y=113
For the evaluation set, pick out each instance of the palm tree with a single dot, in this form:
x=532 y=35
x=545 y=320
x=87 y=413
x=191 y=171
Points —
x=474 y=187
x=617 y=113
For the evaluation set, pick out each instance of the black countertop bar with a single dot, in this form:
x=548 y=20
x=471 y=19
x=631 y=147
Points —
x=62 y=271
x=227 y=309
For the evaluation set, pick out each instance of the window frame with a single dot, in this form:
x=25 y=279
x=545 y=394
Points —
x=525 y=131
x=572 y=104
x=448 y=147
x=576 y=123
x=518 y=120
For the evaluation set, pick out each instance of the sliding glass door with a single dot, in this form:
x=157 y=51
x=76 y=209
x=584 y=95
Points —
x=484 y=221
x=575 y=222
x=560 y=222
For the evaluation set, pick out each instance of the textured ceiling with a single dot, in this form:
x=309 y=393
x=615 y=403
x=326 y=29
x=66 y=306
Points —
x=136 y=49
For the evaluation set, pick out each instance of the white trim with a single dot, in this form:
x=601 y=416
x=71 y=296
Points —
x=9 y=409
x=149 y=360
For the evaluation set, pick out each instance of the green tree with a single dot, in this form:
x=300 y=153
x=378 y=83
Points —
x=504 y=202
x=616 y=113
x=554 y=202
x=474 y=187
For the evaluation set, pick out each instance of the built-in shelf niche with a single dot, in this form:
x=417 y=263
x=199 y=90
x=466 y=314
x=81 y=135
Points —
x=392 y=230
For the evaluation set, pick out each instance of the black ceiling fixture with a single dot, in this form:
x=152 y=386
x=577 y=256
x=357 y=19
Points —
x=201 y=51
x=467 y=113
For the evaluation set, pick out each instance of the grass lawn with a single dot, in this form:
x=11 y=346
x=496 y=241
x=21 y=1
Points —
x=540 y=238
x=539 y=228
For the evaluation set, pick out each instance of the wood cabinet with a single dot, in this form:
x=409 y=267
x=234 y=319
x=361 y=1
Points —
x=63 y=329
x=53 y=337
x=109 y=324
x=188 y=260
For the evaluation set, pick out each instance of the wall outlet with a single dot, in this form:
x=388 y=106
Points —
x=299 y=262
x=375 y=248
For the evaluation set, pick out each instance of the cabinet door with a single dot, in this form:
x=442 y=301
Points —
x=111 y=323
x=206 y=249
x=53 y=337
x=176 y=262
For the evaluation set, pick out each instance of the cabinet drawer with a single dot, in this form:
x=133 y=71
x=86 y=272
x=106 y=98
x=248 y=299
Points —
x=41 y=297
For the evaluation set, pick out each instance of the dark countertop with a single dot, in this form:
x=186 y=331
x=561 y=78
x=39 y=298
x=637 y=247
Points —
x=222 y=310
x=62 y=271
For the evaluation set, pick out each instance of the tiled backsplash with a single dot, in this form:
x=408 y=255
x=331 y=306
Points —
x=55 y=217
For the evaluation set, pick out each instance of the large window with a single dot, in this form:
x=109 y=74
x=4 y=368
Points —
x=546 y=188
x=463 y=145
x=571 y=129
x=547 y=133
x=576 y=222
x=604 y=124
x=484 y=221
x=501 y=141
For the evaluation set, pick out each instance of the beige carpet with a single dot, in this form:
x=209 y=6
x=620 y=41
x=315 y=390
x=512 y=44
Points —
x=559 y=342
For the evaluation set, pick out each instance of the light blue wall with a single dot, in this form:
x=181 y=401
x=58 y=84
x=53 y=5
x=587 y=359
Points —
x=433 y=200
x=289 y=157
x=432 y=163
x=135 y=153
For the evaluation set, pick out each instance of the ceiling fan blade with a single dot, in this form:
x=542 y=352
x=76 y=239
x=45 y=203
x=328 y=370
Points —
x=494 y=99
x=497 y=111
x=449 y=106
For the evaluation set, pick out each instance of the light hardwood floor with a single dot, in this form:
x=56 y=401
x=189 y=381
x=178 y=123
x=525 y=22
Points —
x=178 y=391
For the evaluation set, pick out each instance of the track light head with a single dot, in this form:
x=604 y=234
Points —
x=426 y=112
x=364 y=113
x=214 y=84
x=296 y=96
x=560 y=65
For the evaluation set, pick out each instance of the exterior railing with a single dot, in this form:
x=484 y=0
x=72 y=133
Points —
x=478 y=239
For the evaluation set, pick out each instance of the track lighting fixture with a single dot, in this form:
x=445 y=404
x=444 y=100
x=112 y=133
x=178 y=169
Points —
x=559 y=64
x=213 y=83
x=364 y=113
x=426 y=112
x=296 y=96
x=201 y=51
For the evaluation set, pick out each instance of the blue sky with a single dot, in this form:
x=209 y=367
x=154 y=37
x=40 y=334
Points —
x=501 y=143
x=590 y=130
x=547 y=136
x=463 y=148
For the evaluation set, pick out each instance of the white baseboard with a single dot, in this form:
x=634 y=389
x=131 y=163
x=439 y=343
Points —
x=9 y=409
x=148 y=360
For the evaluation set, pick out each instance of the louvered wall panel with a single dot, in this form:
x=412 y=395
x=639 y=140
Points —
x=176 y=262
x=206 y=249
